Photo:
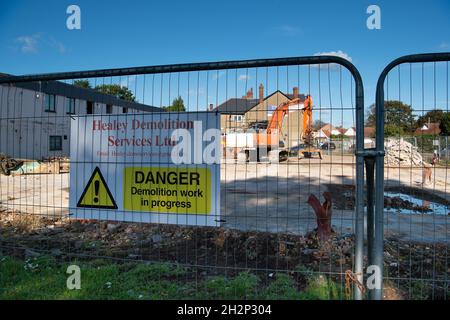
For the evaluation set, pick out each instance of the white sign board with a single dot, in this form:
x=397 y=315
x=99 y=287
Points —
x=240 y=140
x=296 y=107
x=147 y=167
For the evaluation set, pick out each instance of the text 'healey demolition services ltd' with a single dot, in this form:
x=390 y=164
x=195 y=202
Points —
x=184 y=141
x=154 y=139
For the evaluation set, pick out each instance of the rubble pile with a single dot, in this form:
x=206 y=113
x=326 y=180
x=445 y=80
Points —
x=211 y=251
x=8 y=164
x=401 y=153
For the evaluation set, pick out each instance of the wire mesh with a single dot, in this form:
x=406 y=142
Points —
x=266 y=243
x=416 y=199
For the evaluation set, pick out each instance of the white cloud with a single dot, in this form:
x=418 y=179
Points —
x=28 y=44
x=243 y=77
x=33 y=43
x=338 y=53
x=444 y=45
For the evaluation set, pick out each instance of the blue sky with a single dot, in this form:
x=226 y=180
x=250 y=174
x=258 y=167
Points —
x=34 y=37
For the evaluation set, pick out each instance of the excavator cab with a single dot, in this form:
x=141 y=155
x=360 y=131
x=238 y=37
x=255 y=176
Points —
x=266 y=145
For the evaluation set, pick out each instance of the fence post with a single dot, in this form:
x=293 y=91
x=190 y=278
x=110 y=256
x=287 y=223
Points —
x=359 y=202
x=370 y=171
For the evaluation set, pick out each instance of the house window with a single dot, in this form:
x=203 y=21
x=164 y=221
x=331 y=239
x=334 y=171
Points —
x=237 y=118
x=55 y=143
x=70 y=105
x=125 y=110
x=109 y=108
x=89 y=107
x=50 y=102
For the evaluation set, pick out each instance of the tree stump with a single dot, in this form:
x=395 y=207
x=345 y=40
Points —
x=323 y=215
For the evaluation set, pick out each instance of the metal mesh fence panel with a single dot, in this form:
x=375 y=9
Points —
x=264 y=237
x=416 y=201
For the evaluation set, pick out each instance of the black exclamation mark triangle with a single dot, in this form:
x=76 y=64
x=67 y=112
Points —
x=96 y=189
x=96 y=194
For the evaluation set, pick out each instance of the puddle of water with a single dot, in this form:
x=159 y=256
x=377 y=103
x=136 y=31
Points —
x=435 y=208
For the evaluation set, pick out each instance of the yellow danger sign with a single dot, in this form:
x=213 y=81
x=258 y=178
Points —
x=164 y=189
x=97 y=194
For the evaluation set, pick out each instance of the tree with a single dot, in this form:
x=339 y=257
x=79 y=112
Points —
x=430 y=116
x=396 y=114
x=391 y=130
x=370 y=117
x=82 y=84
x=445 y=124
x=121 y=92
x=177 y=105
x=318 y=124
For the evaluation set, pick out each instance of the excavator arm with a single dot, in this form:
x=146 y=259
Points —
x=307 y=120
x=280 y=112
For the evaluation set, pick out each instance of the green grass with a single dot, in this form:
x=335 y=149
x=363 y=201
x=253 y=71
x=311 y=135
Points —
x=45 y=278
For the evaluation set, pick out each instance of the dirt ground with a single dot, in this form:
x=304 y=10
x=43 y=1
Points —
x=270 y=197
x=412 y=270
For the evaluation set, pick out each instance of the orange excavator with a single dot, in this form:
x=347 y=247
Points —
x=271 y=142
x=276 y=123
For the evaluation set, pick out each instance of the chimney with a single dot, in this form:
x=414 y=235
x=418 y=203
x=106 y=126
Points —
x=295 y=92
x=211 y=107
x=261 y=92
x=250 y=94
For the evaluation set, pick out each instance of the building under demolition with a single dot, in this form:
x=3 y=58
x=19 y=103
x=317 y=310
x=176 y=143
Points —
x=35 y=116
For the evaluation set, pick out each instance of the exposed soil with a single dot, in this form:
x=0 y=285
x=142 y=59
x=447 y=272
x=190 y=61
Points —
x=196 y=246
x=343 y=196
x=216 y=251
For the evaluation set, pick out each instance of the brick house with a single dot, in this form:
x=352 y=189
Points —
x=240 y=114
x=430 y=128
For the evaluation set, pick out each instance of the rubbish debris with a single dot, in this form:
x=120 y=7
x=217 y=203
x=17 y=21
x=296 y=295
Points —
x=24 y=236
x=399 y=152
x=55 y=165
x=8 y=164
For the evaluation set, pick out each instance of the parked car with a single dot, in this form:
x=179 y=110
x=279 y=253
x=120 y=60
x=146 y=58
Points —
x=259 y=125
x=293 y=151
x=328 y=146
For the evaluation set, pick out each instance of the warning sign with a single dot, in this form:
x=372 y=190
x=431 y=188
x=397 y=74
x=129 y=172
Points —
x=146 y=167
x=97 y=194
x=174 y=190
